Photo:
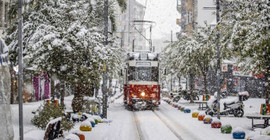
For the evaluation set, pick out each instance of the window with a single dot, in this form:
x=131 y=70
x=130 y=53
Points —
x=143 y=74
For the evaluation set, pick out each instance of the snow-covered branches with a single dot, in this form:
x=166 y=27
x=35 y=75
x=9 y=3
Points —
x=250 y=32
x=65 y=38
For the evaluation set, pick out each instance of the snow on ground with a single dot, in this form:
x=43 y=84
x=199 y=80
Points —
x=124 y=125
x=152 y=127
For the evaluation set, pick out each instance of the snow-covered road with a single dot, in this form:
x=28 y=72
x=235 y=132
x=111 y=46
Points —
x=152 y=127
x=165 y=123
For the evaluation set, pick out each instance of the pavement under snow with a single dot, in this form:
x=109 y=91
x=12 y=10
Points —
x=165 y=123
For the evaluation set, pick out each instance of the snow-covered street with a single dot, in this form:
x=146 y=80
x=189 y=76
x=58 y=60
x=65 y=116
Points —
x=165 y=123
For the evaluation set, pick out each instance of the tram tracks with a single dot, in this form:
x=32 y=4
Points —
x=138 y=127
x=142 y=135
x=168 y=126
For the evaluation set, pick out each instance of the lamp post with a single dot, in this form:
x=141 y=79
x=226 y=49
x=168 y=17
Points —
x=218 y=60
x=20 y=57
x=104 y=85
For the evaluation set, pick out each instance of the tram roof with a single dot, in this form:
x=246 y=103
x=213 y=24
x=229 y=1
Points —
x=143 y=55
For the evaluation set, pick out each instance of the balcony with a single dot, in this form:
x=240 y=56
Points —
x=179 y=6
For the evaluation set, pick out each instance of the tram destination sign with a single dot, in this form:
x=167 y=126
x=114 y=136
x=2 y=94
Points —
x=143 y=64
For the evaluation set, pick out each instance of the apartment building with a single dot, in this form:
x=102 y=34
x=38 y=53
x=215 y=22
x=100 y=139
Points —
x=5 y=17
x=132 y=32
x=195 y=13
x=8 y=13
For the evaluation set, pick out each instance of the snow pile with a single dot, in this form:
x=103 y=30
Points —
x=215 y=120
x=54 y=121
x=75 y=116
x=263 y=134
x=86 y=123
x=266 y=131
x=96 y=117
x=34 y=135
x=72 y=137
x=257 y=136
x=152 y=56
x=238 y=129
x=260 y=137
x=245 y=93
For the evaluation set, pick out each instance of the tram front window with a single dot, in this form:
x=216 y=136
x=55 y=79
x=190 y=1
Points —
x=143 y=74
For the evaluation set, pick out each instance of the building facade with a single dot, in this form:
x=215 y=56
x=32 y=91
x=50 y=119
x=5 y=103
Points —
x=132 y=31
x=195 y=14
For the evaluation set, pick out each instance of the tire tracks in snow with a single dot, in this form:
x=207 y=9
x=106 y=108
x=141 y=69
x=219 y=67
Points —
x=174 y=125
x=162 y=120
x=171 y=129
x=138 y=126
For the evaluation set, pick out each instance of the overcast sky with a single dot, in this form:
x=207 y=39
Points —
x=164 y=13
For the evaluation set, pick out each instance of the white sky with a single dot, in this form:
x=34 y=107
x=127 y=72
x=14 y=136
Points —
x=164 y=13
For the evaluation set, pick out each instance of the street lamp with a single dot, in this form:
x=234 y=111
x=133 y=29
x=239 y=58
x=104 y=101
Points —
x=104 y=85
x=218 y=61
x=20 y=57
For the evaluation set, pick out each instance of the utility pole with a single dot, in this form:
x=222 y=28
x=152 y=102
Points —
x=104 y=85
x=128 y=47
x=20 y=19
x=171 y=46
x=218 y=60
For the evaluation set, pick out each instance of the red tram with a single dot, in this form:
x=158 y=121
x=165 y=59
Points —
x=141 y=81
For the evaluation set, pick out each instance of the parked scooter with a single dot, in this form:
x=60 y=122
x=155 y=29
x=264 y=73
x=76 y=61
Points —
x=186 y=96
x=234 y=107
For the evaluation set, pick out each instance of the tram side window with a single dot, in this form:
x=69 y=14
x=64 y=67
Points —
x=154 y=74
x=131 y=73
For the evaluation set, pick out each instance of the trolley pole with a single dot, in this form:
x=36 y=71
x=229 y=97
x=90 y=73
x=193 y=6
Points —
x=218 y=60
x=104 y=85
x=20 y=57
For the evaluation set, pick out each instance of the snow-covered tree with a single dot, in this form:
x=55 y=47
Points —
x=181 y=57
x=65 y=39
x=205 y=52
x=249 y=33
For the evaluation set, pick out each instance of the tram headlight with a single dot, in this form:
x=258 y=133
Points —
x=143 y=94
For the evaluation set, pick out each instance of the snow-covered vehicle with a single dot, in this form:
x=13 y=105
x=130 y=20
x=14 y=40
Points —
x=230 y=107
x=141 y=84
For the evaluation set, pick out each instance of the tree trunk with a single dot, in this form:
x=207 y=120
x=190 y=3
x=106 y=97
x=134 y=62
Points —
x=6 y=126
x=179 y=83
x=110 y=87
x=191 y=83
x=96 y=90
x=62 y=92
x=52 y=88
x=13 y=86
x=267 y=85
x=77 y=101
x=205 y=83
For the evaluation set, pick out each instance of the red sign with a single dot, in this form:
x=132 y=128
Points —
x=235 y=68
x=257 y=75
x=224 y=67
